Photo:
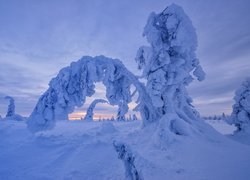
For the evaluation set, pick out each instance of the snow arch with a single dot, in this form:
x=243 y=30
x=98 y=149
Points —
x=90 y=111
x=74 y=83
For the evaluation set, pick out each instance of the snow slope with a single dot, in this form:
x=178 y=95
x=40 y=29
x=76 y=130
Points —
x=84 y=150
x=221 y=126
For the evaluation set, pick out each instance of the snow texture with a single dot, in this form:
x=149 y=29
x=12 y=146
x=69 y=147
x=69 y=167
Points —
x=170 y=148
x=77 y=150
x=90 y=111
x=74 y=83
x=128 y=158
x=170 y=64
x=240 y=116
x=170 y=61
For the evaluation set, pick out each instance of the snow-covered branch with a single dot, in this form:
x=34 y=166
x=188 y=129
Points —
x=76 y=82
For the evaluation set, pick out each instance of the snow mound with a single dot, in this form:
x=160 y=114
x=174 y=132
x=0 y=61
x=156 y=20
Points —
x=16 y=117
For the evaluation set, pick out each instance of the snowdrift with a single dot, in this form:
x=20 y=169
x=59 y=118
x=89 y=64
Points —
x=85 y=150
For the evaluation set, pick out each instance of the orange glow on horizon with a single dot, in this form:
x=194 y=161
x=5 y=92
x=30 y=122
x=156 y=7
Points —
x=79 y=115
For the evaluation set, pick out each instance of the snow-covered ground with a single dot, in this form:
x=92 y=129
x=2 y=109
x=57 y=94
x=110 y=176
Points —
x=174 y=143
x=221 y=126
x=84 y=150
x=228 y=130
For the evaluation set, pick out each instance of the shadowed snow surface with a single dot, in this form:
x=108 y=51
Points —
x=84 y=150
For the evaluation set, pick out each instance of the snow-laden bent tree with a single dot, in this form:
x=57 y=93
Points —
x=11 y=107
x=90 y=111
x=74 y=83
x=240 y=116
x=170 y=64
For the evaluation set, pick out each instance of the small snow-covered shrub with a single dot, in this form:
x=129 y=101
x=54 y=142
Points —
x=11 y=106
x=11 y=113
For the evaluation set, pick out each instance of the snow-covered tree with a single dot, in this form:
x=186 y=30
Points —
x=90 y=111
x=112 y=118
x=74 y=83
x=134 y=117
x=240 y=116
x=11 y=107
x=170 y=64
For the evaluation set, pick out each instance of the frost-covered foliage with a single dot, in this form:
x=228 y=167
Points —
x=11 y=107
x=170 y=63
x=90 y=111
x=240 y=116
x=74 y=83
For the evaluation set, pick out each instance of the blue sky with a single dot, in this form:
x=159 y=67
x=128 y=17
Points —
x=38 y=38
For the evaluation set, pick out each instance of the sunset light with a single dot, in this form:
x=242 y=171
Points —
x=124 y=90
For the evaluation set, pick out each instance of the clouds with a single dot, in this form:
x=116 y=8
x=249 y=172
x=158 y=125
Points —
x=21 y=83
x=38 y=38
x=224 y=45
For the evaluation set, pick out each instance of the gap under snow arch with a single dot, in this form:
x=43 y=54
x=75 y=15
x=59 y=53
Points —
x=74 y=83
